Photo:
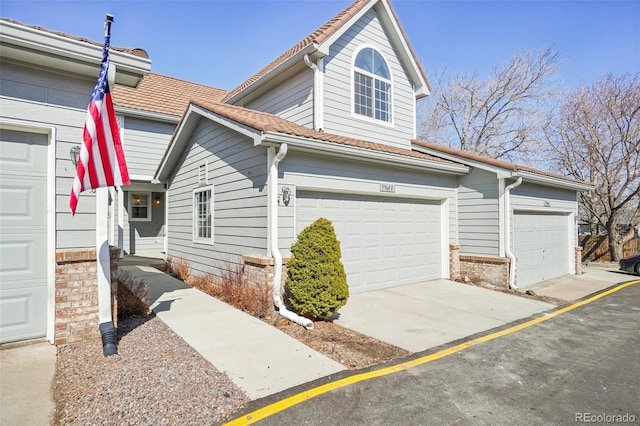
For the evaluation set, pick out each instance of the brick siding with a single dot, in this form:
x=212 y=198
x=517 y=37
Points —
x=76 y=298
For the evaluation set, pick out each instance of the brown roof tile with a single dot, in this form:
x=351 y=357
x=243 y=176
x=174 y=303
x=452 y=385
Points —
x=163 y=94
x=270 y=123
x=318 y=36
x=492 y=161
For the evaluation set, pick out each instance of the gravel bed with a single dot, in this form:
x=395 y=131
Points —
x=155 y=379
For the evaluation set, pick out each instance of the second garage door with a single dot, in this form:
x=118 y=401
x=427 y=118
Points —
x=385 y=241
x=541 y=246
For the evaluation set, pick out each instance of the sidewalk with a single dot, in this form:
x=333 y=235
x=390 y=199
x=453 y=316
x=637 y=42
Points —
x=256 y=356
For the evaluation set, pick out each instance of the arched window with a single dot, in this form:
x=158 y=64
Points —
x=372 y=86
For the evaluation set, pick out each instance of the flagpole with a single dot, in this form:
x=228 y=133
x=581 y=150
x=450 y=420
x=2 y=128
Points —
x=103 y=257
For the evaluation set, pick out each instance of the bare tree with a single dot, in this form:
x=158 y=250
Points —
x=500 y=116
x=595 y=136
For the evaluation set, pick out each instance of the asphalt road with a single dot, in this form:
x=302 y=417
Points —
x=581 y=365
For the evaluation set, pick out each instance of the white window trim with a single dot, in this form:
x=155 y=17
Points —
x=149 y=206
x=194 y=234
x=361 y=117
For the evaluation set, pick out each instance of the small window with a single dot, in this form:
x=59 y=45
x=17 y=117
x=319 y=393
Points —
x=372 y=86
x=203 y=215
x=139 y=206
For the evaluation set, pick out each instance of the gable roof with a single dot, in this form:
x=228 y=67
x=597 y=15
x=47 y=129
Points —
x=327 y=33
x=273 y=126
x=164 y=95
x=489 y=162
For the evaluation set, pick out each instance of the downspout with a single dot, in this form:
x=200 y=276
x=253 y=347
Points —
x=318 y=123
x=507 y=233
x=275 y=251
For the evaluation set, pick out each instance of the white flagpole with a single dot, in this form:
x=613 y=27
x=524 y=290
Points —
x=103 y=257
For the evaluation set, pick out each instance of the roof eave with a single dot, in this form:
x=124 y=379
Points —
x=350 y=152
x=311 y=49
x=553 y=181
x=30 y=45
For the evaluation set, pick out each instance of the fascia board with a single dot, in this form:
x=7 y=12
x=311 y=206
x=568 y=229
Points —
x=552 y=181
x=184 y=131
x=500 y=172
x=271 y=75
x=349 y=152
x=422 y=88
x=156 y=116
x=34 y=46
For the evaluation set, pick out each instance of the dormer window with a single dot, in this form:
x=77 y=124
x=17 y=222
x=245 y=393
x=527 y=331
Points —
x=371 y=86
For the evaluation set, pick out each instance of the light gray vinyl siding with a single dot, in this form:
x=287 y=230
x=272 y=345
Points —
x=529 y=196
x=292 y=100
x=46 y=97
x=144 y=144
x=304 y=172
x=338 y=78
x=238 y=172
x=478 y=222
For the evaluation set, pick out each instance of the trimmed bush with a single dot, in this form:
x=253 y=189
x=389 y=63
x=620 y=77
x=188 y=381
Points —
x=316 y=282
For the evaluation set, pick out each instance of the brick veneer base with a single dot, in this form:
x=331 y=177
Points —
x=76 y=304
x=258 y=270
x=485 y=270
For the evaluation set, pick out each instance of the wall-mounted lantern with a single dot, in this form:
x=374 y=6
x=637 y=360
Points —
x=74 y=153
x=286 y=195
x=157 y=200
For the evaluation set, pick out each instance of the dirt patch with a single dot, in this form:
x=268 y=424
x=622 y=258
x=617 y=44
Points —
x=347 y=347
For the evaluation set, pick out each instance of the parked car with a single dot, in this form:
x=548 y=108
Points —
x=631 y=264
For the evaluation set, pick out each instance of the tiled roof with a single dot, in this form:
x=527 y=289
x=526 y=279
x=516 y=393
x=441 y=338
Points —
x=492 y=161
x=317 y=37
x=162 y=94
x=132 y=51
x=270 y=123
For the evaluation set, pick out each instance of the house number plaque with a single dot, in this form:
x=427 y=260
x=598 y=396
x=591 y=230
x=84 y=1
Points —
x=387 y=187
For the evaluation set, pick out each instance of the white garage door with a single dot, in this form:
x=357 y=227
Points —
x=23 y=235
x=385 y=241
x=541 y=246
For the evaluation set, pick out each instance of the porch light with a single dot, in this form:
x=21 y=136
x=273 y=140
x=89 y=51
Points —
x=74 y=153
x=157 y=200
x=286 y=195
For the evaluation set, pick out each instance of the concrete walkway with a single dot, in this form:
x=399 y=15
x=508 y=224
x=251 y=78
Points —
x=256 y=356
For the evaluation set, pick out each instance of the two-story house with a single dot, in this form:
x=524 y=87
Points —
x=222 y=179
x=328 y=130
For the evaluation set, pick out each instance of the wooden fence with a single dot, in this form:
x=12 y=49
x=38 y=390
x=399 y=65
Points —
x=596 y=248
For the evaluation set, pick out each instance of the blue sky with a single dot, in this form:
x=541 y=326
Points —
x=222 y=43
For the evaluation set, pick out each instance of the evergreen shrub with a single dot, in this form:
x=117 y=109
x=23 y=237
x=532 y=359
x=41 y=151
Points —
x=316 y=282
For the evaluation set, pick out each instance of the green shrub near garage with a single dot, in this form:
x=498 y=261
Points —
x=316 y=282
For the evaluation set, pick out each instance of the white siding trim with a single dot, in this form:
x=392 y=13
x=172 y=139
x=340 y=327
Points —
x=36 y=127
x=319 y=95
x=444 y=235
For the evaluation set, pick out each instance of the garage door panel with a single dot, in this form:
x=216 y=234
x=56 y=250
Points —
x=23 y=235
x=385 y=241
x=541 y=246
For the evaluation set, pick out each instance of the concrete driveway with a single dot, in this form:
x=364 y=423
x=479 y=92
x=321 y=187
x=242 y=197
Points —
x=420 y=316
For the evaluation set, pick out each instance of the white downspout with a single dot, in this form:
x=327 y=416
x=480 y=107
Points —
x=318 y=74
x=507 y=233
x=275 y=251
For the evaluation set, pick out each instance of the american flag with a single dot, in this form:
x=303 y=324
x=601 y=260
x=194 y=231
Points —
x=101 y=162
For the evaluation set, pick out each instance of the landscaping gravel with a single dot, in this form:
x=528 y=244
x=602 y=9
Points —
x=155 y=379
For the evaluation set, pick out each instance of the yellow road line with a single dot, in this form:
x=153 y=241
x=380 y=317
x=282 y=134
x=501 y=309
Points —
x=283 y=404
